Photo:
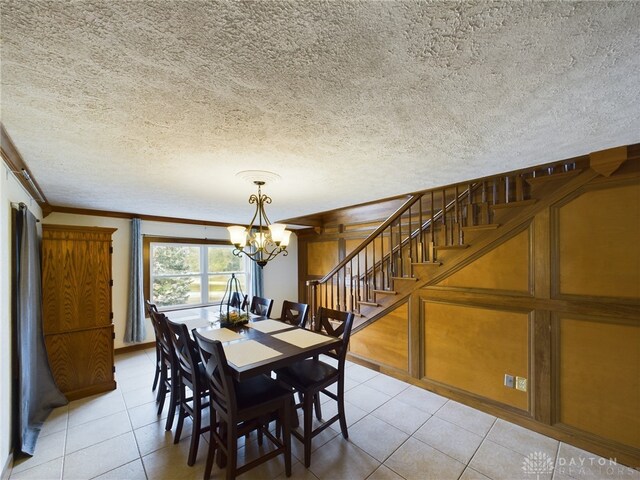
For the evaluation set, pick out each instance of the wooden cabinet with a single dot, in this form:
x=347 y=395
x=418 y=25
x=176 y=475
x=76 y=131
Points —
x=76 y=308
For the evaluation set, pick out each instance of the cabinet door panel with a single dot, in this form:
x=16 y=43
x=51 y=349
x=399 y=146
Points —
x=76 y=279
x=82 y=361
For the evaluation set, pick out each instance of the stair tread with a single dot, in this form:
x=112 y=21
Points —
x=521 y=203
x=372 y=304
x=387 y=292
x=411 y=279
x=435 y=264
x=488 y=226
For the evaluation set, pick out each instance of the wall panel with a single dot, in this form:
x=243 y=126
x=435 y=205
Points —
x=599 y=378
x=472 y=348
x=385 y=341
x=505 y=268
x=598 y=238
x=321 y=257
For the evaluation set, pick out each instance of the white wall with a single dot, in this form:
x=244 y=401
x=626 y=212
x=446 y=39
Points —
x=10 y=191
x=280 y=275
x=281 y=278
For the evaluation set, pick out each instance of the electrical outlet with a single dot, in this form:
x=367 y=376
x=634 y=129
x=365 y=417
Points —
x=521 y=384
x=508 y=381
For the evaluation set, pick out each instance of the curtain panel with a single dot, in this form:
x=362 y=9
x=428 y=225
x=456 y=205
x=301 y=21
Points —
x=35 y=390
x=135 y=330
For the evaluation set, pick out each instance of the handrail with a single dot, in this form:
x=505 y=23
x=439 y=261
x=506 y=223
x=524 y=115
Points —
x=338 y=283
x=394 y=216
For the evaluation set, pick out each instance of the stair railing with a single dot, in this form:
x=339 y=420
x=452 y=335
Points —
x=428 y=221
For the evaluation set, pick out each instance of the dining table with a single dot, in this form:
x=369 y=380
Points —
x=259 y=346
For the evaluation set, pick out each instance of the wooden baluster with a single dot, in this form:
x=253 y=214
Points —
x=484 y=208
x=345 y=290
x=469 y=220
x=421 y=234
x=399 y=250
x=326 y=295
x=443 y=219
x=432 y=227
x=373 y=265
x=494 y=193
x=456 y=215
x=353 y=288
x=410 y=249
x=393 y=271
x=507 y=188
x=519 y=188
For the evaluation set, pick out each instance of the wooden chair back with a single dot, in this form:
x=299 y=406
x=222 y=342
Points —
x=261 y=306
x=337 y=324
x=163 y=336
x=294 y=313
x=185 y=350
x=238 y=301
x=222 y=393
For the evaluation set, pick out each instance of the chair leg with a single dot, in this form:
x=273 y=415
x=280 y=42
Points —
x=182 y=412
x=316 y=402
x=158 y=368
x=343 y=417
x=307 y=409
x=173 y=399
x=196 y=421
x=286 y=437
x=155 y=379
x=232 y=451
x=211 y=452
x=162 y=390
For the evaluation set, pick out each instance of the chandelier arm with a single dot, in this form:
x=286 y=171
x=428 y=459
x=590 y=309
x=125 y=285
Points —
x=269 y=254
x=266 y=200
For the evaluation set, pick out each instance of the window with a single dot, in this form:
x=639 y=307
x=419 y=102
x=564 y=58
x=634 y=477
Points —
x=186 y=272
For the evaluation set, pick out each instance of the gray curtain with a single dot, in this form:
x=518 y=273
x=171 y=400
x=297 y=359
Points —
x=257 y=280
x=135 y=328
x=35 y=391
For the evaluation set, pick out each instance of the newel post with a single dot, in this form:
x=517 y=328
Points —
x=312 y=286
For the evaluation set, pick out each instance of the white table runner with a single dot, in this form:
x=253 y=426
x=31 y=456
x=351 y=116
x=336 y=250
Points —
x=301 y=338
x=268 y=326
x=247 y=352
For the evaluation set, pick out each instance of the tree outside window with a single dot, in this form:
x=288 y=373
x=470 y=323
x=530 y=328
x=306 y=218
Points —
x=184 y=274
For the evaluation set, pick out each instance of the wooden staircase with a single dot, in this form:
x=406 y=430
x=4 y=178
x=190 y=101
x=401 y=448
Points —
x=433 y=234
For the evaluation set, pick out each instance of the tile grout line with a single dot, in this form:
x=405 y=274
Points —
x=135 y=438
x=64 y=447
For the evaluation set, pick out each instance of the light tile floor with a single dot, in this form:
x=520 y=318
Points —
x=396 y=431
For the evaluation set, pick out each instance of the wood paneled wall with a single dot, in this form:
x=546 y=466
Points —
x=386 y=340
x=556 y=301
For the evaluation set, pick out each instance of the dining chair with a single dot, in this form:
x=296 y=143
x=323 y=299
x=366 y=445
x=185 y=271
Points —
x=237 y=408
x=191 y=375
x=168 y=369
x=312 y=376
x=261 y=306
x=294 y=313
x=238 y=301
x=148 y=308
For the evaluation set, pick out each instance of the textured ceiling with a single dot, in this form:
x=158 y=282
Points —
x=153 y=106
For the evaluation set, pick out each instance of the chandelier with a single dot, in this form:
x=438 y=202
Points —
x=262 y=241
